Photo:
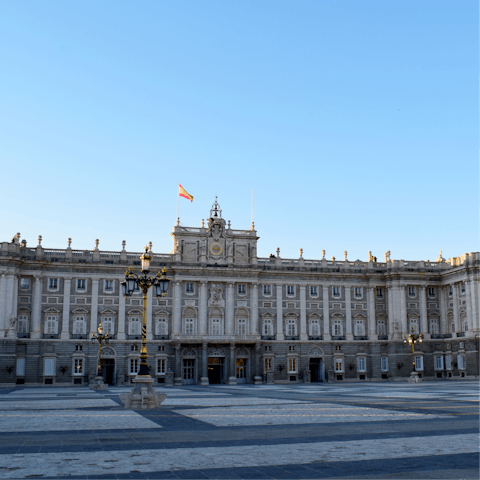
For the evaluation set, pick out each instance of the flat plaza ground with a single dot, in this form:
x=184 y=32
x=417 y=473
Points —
x=354 y=430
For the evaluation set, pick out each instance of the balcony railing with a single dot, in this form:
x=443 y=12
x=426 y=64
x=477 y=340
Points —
x=268 y=337
x=315 y=337
x=161 y=337
x=338 y=337
x=50 y=335
x=292 y=337
x=359 y=337
x=383 y=337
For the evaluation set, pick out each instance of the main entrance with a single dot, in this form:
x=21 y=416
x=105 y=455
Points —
x=317 y=370
x=241 y=370
x=107 y=366
x=188 y=371
x=215 y=370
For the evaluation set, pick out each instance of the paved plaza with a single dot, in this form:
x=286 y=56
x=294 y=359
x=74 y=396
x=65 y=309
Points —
x=356 y=430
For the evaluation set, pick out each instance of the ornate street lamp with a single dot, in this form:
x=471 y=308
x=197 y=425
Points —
x=413 y=339
x=100 y=338
x=144 y=282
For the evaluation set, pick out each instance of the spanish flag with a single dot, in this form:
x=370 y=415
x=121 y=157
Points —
x=183 y=193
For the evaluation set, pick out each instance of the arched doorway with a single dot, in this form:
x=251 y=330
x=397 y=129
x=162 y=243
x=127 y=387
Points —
x=216 y=366
x=316 y=365
x=108 y=366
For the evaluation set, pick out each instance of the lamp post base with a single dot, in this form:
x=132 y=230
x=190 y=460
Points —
x=98 y=384
x=414 y=378
x=142 y=396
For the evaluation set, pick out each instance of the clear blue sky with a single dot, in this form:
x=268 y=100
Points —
x=355 y=122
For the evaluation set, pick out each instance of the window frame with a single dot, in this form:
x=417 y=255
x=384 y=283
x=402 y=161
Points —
x=336 y=292
x=338 y=364
x=133 y=361
x=313 y=291
x=105 y=284
x=25 y=320
x=267 y=290
x=75 y=362
x=27 y=280
x=357 y=295
x=161 y=360
x=292 y=365
x=131 y=322
x=419 y=363
x=78 y=288
x=384 y=364
x=290 y=291
x=241 y=289
x=50 y=281
x=189 y=288
x=361 y=364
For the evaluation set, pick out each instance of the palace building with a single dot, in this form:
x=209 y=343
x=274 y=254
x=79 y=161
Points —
x=232 y=317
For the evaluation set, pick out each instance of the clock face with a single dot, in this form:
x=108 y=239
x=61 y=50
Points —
x=216 y=249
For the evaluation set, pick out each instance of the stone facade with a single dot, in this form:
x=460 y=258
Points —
x=232 y=317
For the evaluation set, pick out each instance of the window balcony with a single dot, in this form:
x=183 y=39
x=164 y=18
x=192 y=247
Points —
x=359 y=337
x=315 y=337
x=23 y=335
x=134 y=337
x=459 y=334
x=292 y=337
x=338 y=337
x=268 y=337
x=50 y=335
x=383 y=337
x=436 y=335
x=161 y=337
x=79 y=336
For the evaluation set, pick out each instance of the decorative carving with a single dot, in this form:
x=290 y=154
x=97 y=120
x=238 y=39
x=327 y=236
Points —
x=189 y=352
x=216 y=352
x=242 y=352
x=242 y=303
x=189 y=303
x=315 y=352
x=108 y=352
x=216 y=296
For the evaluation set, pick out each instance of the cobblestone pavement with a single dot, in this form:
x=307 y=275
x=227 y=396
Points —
x=355 y=430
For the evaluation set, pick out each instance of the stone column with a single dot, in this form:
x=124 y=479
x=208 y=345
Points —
x=3 y=295
x=475 y=306
x=423 y=312
x=303 y=314
x=121 y=317
x=178 y=366
x=149 y=314
x=443 y=327
x=403 y=311
x=397 y=312
x=232 y=379
x=67 y=285
x=94 y=313
x=254 y=328
x=371 y=313
x=202 y=303
x=348 y=313
x=229 y=317
x=204 y=378
x=476 y=321
x=390 y=329
x=35 y=331
x=9 y=299
x=177 y=309
x=326 y=315
x=258 y=363
x=456 y=317
x=15 y=296
x=468 y=303
x=280 y=333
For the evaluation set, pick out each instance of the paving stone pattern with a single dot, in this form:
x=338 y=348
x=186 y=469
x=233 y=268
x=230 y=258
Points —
x=394 y=430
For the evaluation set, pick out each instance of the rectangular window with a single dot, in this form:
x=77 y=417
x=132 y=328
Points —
x=242 y=289
x=267 y=290
x=49 y=366
x=461 y=361
x=216 y=328
x=379 y=292
x=108 y=286
x=189 y=288
x=20 y=371
x=108 y=325
x=359 y=328
x=450 y=291
x=463 y=287
x=268 y=364
x=268 y=327
x=78 y=348
x=242 y=326
x=384 y=364
x=189 y=326
x=413 y=326
x=135 y=326
x=439 y=363
x=291 y=327
x=314 y=291
x=161 y=366
x=24 y=283
x=336 y=291
x=78 y=366
x=381 y=330
x=161 y=327
x=134 y=366
x=23 y=324
x=431 y=291
x=338 y=364
x=411 y=291
x=448 y=362
x=51 y=325
x=419 y=363
x=53 y=284
x=361 y=364
x=291 y=290
x=292 y=365
x=358 y=292
x=81 y=284
x=337 y=327
x=314 y=328
x=79 y=325
x=433 y=325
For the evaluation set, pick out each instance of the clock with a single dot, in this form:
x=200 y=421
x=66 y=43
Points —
x=216 y=249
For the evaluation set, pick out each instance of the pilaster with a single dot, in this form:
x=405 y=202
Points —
x=94 y=313
x=121 y=317
x=177 y=308
x=254 y=310
x=348 y=313
x=149 y=314
x=371 y=313
x=303 y=314
x=280 y=334
x=3 y=294
x=326 y=315
x=423 y=312
x=229 y=327
x=67 y=285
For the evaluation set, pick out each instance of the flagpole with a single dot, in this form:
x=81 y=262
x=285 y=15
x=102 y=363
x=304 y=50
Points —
x=178 y=206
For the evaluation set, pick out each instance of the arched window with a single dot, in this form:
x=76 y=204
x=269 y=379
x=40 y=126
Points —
x=135 y=325
x=337 y=327
x=413 y=324
x=51 y=322
x=216 y=326
x=189 y=322
x=23 y=324
x=381 y=328
x=108 y=324
x=433 y=326
x=242 y=326
x=79 y=325
x=359 y=328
